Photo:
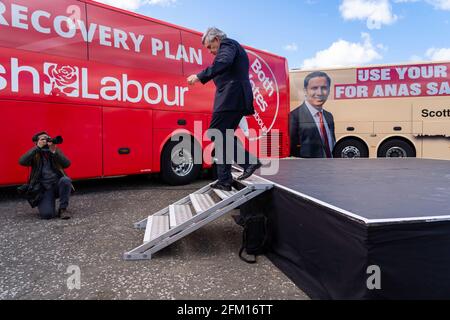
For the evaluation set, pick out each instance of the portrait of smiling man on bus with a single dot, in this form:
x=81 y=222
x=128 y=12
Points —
x=311 y=127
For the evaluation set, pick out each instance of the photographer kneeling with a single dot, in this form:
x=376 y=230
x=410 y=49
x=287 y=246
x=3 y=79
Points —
x=47 y=180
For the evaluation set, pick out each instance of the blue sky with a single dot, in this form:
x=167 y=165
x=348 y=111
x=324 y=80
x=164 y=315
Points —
x=318 y=33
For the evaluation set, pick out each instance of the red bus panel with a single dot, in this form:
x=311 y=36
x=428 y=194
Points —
x=80 y=127
x=133 y=42
x=193 y=42
x=127 y=141
x=31 y=76
x=49 y=27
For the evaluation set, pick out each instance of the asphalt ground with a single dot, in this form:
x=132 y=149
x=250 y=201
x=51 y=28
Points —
x=37 y=257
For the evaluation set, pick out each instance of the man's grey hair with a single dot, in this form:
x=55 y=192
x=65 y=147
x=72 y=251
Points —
x=213 y=33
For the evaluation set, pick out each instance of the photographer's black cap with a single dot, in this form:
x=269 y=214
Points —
x=36 y=136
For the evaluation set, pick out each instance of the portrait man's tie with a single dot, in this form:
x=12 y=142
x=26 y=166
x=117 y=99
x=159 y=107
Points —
x=324 y=134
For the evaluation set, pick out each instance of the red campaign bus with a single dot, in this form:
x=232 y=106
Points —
x=113 y=84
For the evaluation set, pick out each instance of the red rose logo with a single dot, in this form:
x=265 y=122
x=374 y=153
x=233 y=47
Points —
x=63 y=76
x=61 y=80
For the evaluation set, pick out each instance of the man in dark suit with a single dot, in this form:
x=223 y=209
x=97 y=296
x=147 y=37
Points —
x=233 y=100
x=311 y=127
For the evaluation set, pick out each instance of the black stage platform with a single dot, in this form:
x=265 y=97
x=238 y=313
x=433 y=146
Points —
x=332 y=221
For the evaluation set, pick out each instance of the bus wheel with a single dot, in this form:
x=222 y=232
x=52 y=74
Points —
x=177 y=164
x=396 y=149
x=350 y=148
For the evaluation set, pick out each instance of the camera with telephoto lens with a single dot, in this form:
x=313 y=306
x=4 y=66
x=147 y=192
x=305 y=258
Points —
x=55 y=140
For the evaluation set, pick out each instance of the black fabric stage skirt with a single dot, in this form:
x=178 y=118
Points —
x=361 y=228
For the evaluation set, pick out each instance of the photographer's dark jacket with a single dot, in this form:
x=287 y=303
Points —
x=34 y=158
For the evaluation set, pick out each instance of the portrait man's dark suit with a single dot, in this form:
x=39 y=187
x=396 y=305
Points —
x=306 y=141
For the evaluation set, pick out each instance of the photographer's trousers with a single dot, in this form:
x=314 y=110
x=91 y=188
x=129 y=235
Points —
x=60 y=190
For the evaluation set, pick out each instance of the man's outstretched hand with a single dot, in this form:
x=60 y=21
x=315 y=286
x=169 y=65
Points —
x=192 y=79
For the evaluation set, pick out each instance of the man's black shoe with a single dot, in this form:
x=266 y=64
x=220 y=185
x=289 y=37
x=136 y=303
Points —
x=62 y=214
x=221 y=186
x=249 y=171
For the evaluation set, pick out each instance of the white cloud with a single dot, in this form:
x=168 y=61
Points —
x=440 y=4
x=438 y=54
x=343 y=53
x=135 y=4
x=293 y=47
x=375 y=12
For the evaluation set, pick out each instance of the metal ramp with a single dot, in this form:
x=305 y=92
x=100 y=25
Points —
x=191 y=213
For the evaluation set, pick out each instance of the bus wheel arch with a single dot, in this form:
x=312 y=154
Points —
x=351 y=147
x=181 y=160
x=396 y=147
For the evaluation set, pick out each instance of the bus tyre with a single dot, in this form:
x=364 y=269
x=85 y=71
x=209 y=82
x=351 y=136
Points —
x=396 y=149
x=350 y=148
x=177 y=164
